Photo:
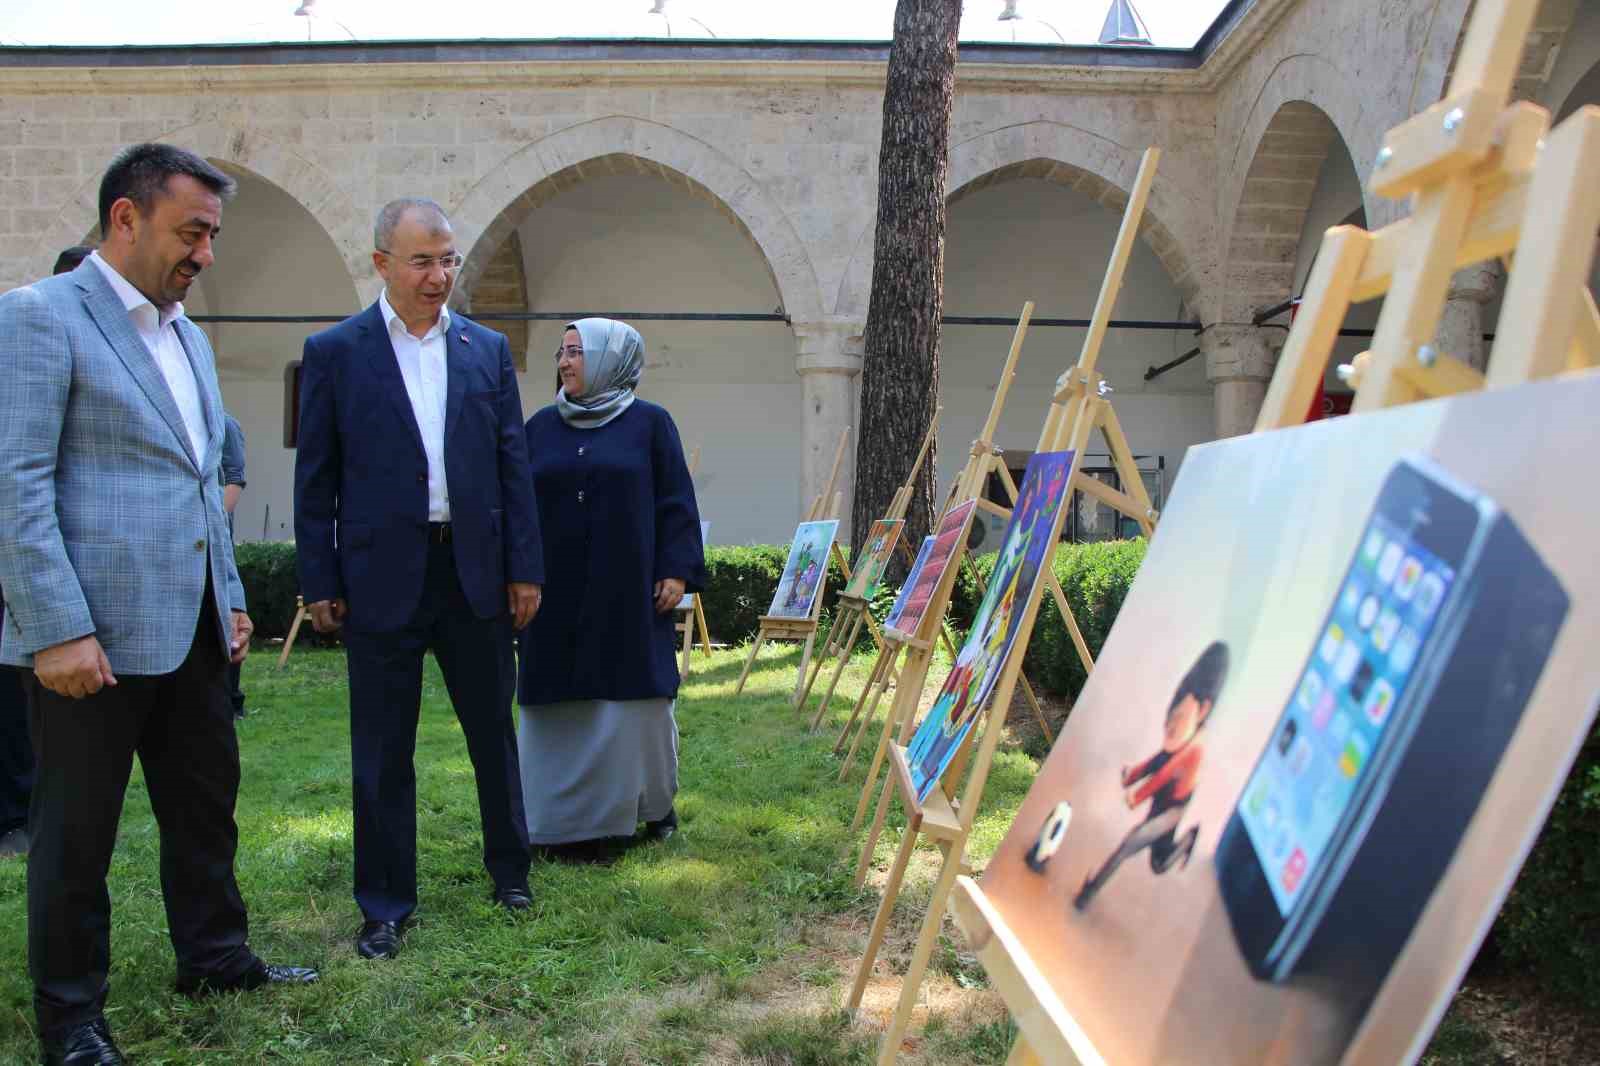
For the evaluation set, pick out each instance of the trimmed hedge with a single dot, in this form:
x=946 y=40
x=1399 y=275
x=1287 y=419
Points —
x=1550 y=925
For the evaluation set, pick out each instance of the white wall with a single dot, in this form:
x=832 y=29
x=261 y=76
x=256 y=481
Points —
x=272 y=258
x=1032 y=239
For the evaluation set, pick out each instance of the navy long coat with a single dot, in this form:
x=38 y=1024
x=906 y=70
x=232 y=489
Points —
x=617 y=514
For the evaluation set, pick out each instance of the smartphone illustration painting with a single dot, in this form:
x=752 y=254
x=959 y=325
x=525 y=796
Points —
x=1412 y=688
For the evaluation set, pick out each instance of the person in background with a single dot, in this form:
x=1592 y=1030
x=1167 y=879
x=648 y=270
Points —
x=598 y=741
x=231 y=472
x=123 y=596
x=16 y=750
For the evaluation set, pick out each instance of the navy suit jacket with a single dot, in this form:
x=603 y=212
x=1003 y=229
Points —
x=361 y=476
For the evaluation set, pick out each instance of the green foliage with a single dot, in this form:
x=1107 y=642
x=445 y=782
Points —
x=1550 y=923
x=1096 y=579
x=740 y=581
x=267 y=568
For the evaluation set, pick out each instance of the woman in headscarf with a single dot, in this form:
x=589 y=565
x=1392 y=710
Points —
x=598 y=672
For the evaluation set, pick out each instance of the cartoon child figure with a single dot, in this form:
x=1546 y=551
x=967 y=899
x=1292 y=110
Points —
x=1169 y=777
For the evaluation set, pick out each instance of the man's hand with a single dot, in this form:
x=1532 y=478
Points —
x=1131 y=798
x=230 y=497
x=239 y=647
x=326 y=615
x=522 y=600
x=669 y=590
x=77 y=668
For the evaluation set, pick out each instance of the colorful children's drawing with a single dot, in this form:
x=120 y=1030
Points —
x=874 y=559
x=906 y=618
x=1294 y=790
x=1023 y=550
x=803 y=573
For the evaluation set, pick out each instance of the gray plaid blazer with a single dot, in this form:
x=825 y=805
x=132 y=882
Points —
x=108 y=521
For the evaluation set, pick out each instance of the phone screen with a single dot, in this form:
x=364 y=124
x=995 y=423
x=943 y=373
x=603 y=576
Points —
x=1314 y=765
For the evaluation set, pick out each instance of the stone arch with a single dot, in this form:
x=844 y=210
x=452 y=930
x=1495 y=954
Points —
x=500 y=202
x=1102 y=170
x=307 y=183
x=1539 y=54
x=1274 y=200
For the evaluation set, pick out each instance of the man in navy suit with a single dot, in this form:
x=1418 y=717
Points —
x=417 y=530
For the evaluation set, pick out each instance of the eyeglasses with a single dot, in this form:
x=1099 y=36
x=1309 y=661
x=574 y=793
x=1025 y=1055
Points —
x=425 y=263
x=571 y=351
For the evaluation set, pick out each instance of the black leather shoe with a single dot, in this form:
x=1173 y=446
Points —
x=257 y=976
x=514 y=899
x=88 y=1044
x=662 y=828
x=378 y=940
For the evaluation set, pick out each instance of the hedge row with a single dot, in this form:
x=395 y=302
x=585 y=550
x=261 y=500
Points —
x=1550 y=925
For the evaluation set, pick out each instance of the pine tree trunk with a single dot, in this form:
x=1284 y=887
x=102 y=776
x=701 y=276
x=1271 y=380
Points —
x=900 y=366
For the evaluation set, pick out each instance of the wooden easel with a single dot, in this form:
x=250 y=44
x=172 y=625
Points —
x=1078 y=407
x=1481 y=187
x=850 y=611
x=692 y=615
x=827 y=504
x=1094 y=411
x=294 y=629
x=982 y=460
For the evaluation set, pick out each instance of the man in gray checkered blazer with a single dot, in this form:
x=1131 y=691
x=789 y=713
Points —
x=122 y=595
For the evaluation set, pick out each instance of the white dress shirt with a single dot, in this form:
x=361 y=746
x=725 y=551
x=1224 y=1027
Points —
x=422 y=365
x=155 y=327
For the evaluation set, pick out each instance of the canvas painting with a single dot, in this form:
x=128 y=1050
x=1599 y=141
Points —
x=906 y=617
x=1025 y=548
x=687 y=603
x=874 y=558
x=803 y=572
x=1334 y=711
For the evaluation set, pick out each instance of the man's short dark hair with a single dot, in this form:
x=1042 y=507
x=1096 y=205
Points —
x=1205 y=677
x=141 y=172
x=71 y=257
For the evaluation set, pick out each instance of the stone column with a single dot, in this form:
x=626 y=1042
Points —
x=1461 y=325
x=828 y=360
x=1239 y=364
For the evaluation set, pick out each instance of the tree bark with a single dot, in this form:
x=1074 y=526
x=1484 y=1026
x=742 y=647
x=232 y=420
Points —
x=900 y=364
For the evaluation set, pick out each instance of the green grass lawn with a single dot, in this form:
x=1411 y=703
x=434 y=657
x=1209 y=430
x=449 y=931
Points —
x=735 y=942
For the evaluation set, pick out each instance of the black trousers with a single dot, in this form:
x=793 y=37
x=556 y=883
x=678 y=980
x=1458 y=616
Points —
x=16 y=751
x=181 y=727
x=385 y=702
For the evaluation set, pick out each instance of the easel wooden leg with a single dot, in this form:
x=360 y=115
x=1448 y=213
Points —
x=880 y=921
x=841 y=638
x=885 y=798
x=805 y=660
x=876 y=682
x=838 y=670
x=294 y=630
x=872 y=779
x=705 y=631
x=1038 y=710
x=755 y=649
x=889 y=1048
x=686 y=626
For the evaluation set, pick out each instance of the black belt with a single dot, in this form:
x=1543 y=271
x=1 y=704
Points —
x=438 y=532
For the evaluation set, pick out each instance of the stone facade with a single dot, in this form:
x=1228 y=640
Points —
x=781 y=141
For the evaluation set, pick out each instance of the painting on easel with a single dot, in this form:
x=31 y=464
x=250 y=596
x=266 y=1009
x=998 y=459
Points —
x=994 y=628
x=912 y=603
x=1295 y=789
x=874 y=559
x=805 y=569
